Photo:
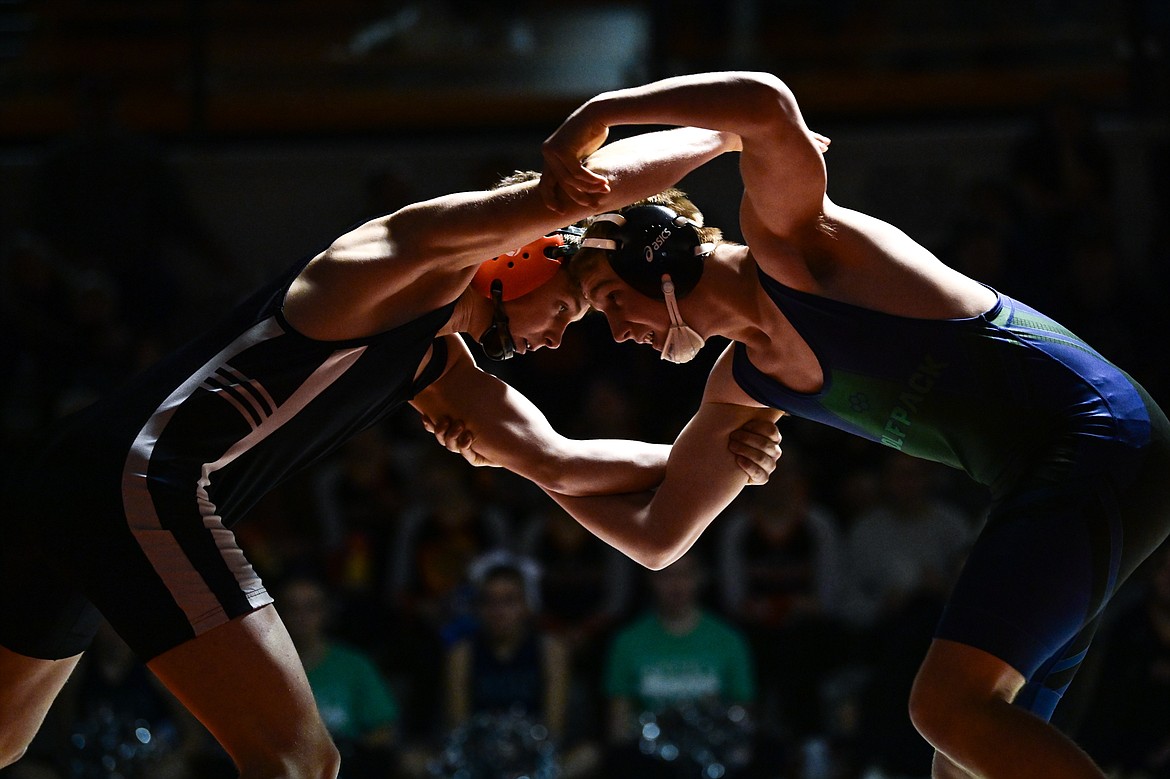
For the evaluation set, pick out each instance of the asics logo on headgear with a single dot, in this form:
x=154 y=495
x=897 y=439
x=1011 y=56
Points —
x=657 y=244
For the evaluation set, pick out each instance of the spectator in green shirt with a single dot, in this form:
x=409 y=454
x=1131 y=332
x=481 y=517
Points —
x=675 y=654
x=356 y=704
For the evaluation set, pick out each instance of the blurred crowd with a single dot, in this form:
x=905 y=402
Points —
x=455 y=623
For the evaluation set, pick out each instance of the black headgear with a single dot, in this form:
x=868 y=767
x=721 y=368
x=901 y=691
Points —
x=648 y=241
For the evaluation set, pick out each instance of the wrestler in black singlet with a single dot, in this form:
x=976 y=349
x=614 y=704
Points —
x=127 y=512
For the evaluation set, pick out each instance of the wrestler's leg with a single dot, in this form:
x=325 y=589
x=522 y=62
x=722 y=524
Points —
x=961 y=703
x=28 y=687
x=244 y=681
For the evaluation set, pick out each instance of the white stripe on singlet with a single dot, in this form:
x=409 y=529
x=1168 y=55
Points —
x=177 y=572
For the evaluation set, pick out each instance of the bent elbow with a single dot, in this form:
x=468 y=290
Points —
x=766 y=100
x=655 y=562
x=655 y=558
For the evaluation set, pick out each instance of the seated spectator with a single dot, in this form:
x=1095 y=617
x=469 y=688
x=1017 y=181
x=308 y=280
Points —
x=358 y=496
x=913 y=540
x=675 y=656
x=356 y=704
x=902 y=558
x=780 y=577
x=509 y=669
x=585 y=587
x=438 y=535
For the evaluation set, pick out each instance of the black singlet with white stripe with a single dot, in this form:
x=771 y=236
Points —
x=130 y=506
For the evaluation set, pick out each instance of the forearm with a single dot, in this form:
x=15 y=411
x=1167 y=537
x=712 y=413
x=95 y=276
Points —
x=476 y=225
x=754 y=113
x=702 y=478
x=576 y=468
x=605 y=466
x=643 y=165
x=618 y=520
x=511 y=432
x=734 y=102
x=629 y=523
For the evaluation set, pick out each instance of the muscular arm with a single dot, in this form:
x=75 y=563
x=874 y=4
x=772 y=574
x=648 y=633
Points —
x=796 y=233
x=702 y=478
x=469 y=227
x=781 y=163
x=512 y=432
x=394 y=268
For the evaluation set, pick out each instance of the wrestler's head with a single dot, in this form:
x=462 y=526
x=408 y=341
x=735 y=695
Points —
x=633 y=260
x=533 y=299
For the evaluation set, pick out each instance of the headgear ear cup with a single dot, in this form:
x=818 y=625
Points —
x=682 y=344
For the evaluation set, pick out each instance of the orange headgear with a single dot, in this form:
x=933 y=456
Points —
x=522 y=270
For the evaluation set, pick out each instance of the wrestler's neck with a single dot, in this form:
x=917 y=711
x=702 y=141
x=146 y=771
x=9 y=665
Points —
x=472 y=315
x=724 y=300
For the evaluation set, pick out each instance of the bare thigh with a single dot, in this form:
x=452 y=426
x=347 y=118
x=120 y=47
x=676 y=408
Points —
x=28 y=687
x=244 y=681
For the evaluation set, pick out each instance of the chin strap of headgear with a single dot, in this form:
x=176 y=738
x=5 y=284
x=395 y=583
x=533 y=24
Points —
x=682 y=343
x=497 y=341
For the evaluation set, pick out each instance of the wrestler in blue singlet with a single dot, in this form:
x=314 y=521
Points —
x=1076 y=455
x=129 y=507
